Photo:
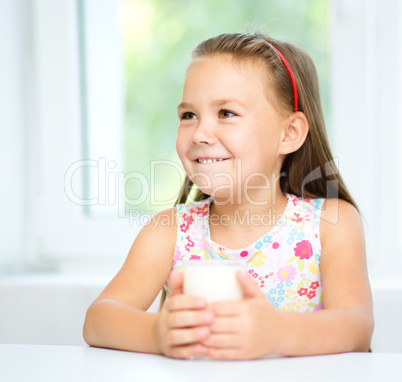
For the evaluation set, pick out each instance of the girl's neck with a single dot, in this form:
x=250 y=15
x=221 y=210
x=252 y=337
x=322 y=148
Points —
x=258 y=203
x=238 y=225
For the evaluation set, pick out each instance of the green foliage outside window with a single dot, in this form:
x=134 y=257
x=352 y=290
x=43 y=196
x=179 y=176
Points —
x=159 y=36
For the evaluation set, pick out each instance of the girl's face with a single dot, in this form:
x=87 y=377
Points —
x=229 y=133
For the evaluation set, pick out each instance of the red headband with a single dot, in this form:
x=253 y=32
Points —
x=292 y=78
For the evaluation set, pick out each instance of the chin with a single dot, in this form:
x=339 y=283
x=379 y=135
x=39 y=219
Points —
x=221 y=195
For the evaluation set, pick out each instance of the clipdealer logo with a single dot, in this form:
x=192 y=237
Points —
x=110 y=185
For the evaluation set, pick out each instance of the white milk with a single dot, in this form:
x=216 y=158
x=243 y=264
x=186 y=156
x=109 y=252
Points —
x=214 y=280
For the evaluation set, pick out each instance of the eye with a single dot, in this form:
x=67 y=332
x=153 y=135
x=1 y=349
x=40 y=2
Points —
x=226 y=114
x=188 y=115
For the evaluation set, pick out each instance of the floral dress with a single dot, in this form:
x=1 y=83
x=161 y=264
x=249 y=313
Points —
x=285 y=261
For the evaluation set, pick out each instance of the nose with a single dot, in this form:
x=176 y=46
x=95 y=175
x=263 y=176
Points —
x=204 y=133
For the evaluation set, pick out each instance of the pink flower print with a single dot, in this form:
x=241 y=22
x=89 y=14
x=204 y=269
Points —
x=195 y=257
x=314 y=285
x=177 y=256
x=296 y=218
x=189 y=244
x=201 y=243
x=302 y=291
x=319 y=306
x=286 y=273
x=188 y=219
x=311 y=294
x=303 y=250
x=252 y=273
x=202 y=211
x=205 y=210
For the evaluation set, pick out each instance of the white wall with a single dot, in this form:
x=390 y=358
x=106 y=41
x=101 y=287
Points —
x=48 y=308
x=367 y=118
x=388 y=317
x=14 y=50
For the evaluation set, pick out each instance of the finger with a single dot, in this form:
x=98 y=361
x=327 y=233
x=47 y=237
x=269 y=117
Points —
x=185 y=302
x=188 y=318
x=222 y=340
x=187 y=351
x=248 y=285
x=188 y=336
x=175 y=282
x=225 y=324
x=224 y=354
x=226 y=308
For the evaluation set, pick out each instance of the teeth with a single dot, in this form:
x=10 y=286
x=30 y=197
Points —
x=207 y=161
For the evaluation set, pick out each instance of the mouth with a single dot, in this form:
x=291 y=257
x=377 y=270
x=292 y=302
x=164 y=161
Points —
x=210 y=160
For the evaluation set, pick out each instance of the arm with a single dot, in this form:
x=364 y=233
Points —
x=118 y=318
x=346 y=323
x=252 y=328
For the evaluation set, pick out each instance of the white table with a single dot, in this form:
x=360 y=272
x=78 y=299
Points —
x=46 y=363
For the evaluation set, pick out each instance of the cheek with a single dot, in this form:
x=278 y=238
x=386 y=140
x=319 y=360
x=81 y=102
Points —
x=180 y=145
x=182 y=148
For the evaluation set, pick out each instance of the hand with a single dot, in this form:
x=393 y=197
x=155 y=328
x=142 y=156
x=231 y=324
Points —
x=245 y=329
x=183 y=322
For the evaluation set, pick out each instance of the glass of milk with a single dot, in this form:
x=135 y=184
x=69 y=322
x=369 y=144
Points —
x=214 y=280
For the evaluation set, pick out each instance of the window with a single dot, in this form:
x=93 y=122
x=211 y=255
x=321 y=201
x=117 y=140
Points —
x=155 y=47
x=116 y=104
x=366 y=113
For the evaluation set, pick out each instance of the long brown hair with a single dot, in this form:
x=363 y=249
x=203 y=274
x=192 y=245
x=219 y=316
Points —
x=310 y=171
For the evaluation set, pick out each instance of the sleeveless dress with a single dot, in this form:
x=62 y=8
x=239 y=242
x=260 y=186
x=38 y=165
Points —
x=285 y=262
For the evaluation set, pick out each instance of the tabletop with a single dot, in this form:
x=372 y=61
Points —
x=45 y=363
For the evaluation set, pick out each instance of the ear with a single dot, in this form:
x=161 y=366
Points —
x=294 y=133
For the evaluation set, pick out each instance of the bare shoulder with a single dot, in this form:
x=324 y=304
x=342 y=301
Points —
x=162 y=223
x=335 y=210
x=340 y=223
x=157 y=238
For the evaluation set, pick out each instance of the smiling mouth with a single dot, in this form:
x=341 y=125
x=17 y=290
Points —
x=210 y=160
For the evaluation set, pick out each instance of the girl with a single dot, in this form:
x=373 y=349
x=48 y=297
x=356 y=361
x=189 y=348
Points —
x=252 y=139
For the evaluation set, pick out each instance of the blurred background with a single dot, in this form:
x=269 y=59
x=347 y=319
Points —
x=88 y=97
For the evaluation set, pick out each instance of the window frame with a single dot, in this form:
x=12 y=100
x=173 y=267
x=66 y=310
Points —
x=63 y=235
x=363 y=34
